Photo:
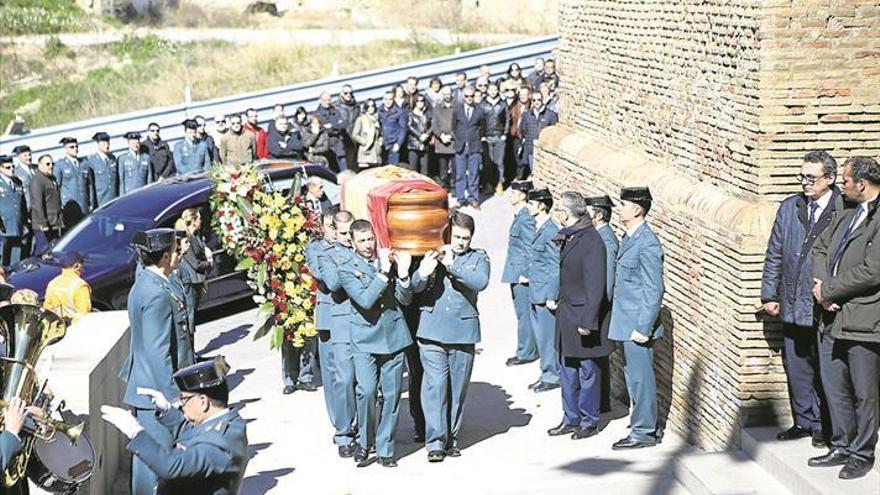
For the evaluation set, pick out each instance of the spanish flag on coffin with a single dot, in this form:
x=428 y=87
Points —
x=409 y=211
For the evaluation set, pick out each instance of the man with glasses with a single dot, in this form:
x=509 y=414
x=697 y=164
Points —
x=237 y=147
x=74 y=182
x=46 y=217
x=103 y=172
x=532 y=123
x=786 y=289
x=468 y=122
x=161 y=157
x=13 y=212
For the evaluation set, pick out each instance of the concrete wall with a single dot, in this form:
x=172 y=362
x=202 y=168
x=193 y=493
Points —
x=712 y=105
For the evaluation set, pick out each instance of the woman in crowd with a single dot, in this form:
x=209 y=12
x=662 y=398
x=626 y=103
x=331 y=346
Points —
x=514 y=79
x=317 y=142
x=418 y=134
x=367 y=135
x=196 y=262
x=433 y=92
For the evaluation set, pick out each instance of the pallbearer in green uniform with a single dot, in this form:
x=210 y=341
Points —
x=377 y=288
x=207 y=451
x=449 y=328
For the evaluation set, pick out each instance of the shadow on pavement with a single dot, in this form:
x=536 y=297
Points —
x=594 y=466
x=226 y=338
x=255 y=448
x=235 y=378
x=224 y=310
x=263 y=481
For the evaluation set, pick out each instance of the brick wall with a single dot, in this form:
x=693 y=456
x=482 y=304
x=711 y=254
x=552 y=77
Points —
x=712 y=105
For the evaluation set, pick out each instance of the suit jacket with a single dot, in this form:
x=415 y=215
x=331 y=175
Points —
x=468 y=131
x=197 y=261
x=611 y=247
x=315 y=249
x=134 y=171
x=442 y=122
x=582 y=299
x=377 y=323
x=74 y=183
x=103 y=179
x=522 y=231
x=340 y=306
x=856 y=286
x=543 y=266
x=152 y=353
x=10 y=446
x=638 y=287
x=205 y=459
x=13 y=207
x=45 y=202
x=448 y=302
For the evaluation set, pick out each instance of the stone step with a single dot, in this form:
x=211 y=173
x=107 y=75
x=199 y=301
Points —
x=725 y=473
x=787 y=461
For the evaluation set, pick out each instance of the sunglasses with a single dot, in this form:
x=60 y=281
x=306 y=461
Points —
x=346 y=93
x=468 y=96
x=7 y=167
x=154 y=130
x=72 y=146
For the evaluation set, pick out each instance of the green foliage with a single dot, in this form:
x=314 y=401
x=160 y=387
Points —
x=43 y=17
x=144 y=48
x=55 y=48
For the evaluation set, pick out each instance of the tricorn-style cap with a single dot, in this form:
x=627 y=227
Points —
x=190 y=124
x=101 y=136
x=540 y=194
x=636 y=194
x=22 y=148
x=600 y=201
x=153 y=241
x=522 y=185
x=201 y=376
x=6 y=291
x=68 y=140
x=133 y=135
x=5 y=158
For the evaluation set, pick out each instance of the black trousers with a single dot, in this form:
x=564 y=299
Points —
x=800 y=357
x=445 y=171
x=850 y=374
x=418 y=161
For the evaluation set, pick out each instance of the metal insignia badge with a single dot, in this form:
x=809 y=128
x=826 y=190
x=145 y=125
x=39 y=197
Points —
x=358 y=275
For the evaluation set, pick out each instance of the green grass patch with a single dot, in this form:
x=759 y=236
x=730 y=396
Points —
x=43 y=17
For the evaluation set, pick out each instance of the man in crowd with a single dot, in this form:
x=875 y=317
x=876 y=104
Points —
x=444 y=134
x=73 y=182
x=221 y=127
x=468 y=122
x=25 y=168
x=496 y=126
x=846 y=271
x=522 y=231
x=531 y=124
x=237 y=146
x=460 y=84
x=190 y=154
x=635 y=314
x=348 y=107
x=542 y=277
x=46 y=212
x=516 y=111
x=582 y=318
x=786 y=289
x=13 y=213
x=260 y=136
x=334 y=124
x=68 y=295
x=134 y=165
x=104 y=175
x=393 y=123
x=283 y=141
x=204 y=449
x=378 y=287
x=203 y=136
x=449 y=329
x=343 y=380
x=161 y=156
x=537 y=75
x=410 y=92
x=547 y=75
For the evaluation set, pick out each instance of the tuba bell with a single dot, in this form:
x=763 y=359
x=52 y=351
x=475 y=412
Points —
x=25 y=331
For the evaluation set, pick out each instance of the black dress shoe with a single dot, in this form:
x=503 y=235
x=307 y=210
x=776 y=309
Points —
x=436 y=456
x=631 y=443
x=562 y=429
x=855 y=468
x=308 y=387
x=835 y=457
x=819 y=440
x=360 y=455
x=288 y=389
x=532 y=386
x=387 y=462
x=544 y=386
x=585 y=432
x=419 y=436
x=346 y=451
x=794 y=433
x=453 y=452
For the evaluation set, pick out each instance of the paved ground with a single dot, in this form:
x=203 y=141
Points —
x=506 y=449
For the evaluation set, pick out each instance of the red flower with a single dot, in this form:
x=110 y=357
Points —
x=276 y=284
x=282 y=307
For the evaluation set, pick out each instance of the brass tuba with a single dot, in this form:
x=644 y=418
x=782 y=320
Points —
x=25 y=331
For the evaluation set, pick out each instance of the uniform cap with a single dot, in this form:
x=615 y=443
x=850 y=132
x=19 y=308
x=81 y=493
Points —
x=522 y=186
x=5 y=159
x=22 y=148
x=190 y=124
x=600 y=201
x=101 y=136
x=153 y=241
x=540 y=194
x=6 y=291
x=133 y=135
x=68 y=140
x=202 y=376
x=636 y=194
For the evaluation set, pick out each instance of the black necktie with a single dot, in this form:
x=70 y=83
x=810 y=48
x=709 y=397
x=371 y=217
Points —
x=841 y=246
x=813 y=208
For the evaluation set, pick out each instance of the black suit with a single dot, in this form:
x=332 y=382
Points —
x=582 y=304
x=467 y=121
x=46 y=218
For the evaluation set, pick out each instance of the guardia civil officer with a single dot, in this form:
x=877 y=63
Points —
x=581 y=319
x=343 y=379
x=190 y=154
x=152 y=353
x=103 y=170
x=542 y=277
x=449 y=328
x=204 y=451
x=134 y=165
x=13 y=213
x=599 y=208
x=377 y=288
x=25 y=168
x=522 y=231
x=46 y=212
x=635 y=314
x=73 y=177
x=183 y=321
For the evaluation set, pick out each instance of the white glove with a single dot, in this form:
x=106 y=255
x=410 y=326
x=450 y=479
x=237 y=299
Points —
x=403 y=260
x=209 y=255
x=162 y=404
x=122 y=420
x=428 y=264
x=385 y=260
x=638 y=338
x=523 y=279
x=447 y=256
x=551 y=304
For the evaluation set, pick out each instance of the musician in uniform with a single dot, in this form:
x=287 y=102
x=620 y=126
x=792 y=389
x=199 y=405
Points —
x=13 y=213
x=378 y=287
x=104 y=176
x=205 y=448
x=449 y=328
x=522 y=230
x=72 y=176
x=134 y=167
x=152 y=352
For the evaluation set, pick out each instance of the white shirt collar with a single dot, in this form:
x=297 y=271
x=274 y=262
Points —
x=158 y=271
x=632 y=230
x=215 y=415
x=822 y=202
